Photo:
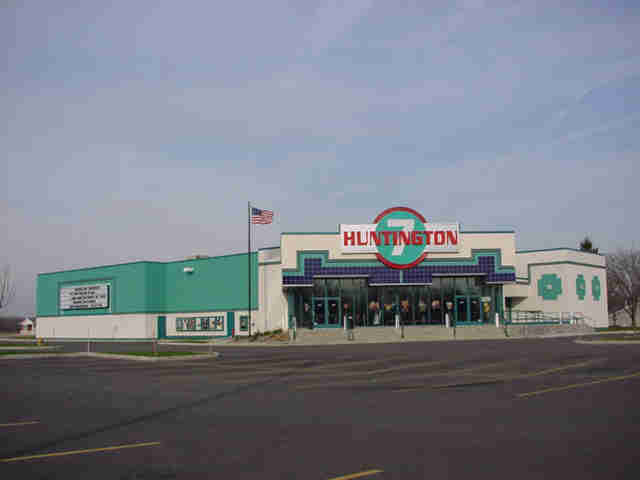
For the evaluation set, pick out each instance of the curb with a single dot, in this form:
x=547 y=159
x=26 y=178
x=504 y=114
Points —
x=26 y=356
x=151 y=359
x=31 y=349
x=609 y=342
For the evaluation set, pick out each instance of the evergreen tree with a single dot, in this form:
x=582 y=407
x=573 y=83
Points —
x=587 y=246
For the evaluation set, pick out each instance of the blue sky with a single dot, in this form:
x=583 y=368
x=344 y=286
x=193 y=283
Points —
x=139 y=130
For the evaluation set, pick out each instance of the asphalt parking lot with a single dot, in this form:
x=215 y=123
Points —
x=530 y=408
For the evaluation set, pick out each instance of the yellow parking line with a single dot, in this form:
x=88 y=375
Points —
x=357 y=475
x=578 y=385
x=515 y=377
x=18 y=424
x=495 y=379
x=425 y=375
x=74 y=452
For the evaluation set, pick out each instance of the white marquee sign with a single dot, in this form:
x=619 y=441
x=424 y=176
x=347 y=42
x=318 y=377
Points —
x=83 y=297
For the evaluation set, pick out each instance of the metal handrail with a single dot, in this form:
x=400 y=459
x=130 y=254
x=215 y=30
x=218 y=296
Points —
x=536 y=316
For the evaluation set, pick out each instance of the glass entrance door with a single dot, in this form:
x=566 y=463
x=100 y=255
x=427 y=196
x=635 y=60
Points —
x=475 y=309
x=461 y=310
x=319 y=311
x=333 y=311
x=326 y=311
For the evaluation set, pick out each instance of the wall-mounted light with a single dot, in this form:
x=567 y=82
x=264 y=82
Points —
x=187 y=269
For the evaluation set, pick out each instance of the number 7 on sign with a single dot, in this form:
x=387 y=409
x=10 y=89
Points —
x=407 y=225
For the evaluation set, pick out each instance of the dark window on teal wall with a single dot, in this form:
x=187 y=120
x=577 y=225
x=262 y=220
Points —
x=179 y=324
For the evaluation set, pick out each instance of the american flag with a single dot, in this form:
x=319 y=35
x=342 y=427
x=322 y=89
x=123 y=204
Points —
x=261 y=216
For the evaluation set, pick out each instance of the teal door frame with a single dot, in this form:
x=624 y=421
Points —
x=161 y=331
x=325 y=323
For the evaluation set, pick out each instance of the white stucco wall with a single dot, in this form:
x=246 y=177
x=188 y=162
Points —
x=98 y=326
x=273 y=303
x=567 y=264
x=292 y=243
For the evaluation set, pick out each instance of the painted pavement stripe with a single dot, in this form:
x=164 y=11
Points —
x=425 y=375
x=75 y=452
x=578 y=385
x=515 y=377
x=18 y=424
x=357 y=475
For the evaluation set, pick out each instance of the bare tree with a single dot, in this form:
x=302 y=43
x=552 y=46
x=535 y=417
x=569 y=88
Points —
x=6 y=287
x=623 y=273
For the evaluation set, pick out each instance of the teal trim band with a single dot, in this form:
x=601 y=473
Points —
x=147 y=261
x=203 y=312
x=557 y=249
x=324 y=256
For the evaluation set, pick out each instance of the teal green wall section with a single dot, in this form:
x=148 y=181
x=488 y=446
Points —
x=217 y=283
x=154 y=290
x=127 y=292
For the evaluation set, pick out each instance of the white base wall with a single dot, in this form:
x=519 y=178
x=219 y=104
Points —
x=98 y=326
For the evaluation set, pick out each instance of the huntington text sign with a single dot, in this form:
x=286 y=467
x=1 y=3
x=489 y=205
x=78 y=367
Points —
x=400 y=237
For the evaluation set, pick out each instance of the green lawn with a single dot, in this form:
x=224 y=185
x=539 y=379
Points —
x=151 y=354
x=18 y=344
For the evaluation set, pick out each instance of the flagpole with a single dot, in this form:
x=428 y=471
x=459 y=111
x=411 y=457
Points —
x=249 y=261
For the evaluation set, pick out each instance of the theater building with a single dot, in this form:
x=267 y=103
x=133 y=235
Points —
x=399 y=268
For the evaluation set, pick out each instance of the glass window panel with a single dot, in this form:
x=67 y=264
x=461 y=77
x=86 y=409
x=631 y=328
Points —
x=447 y=295
x=422 y=304
x=405 y=304
x=461 y=285
x=374 y=306
x=389 y=303
x=306 y=313
x=436 y=300
x=333 y=287
x=475 y=286
x=318 y=287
